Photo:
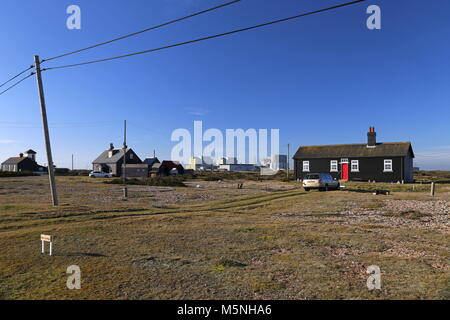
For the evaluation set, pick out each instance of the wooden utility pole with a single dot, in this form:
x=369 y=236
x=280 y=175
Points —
x=125 y=190
x=72 y=162
x=51 y=171
x=288 y=161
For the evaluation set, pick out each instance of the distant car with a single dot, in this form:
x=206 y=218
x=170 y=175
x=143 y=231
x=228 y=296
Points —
x=321 y=181
x=96 y=174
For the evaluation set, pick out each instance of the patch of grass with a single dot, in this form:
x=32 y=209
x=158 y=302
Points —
x=412 y=214
x=227 y=263
x=245 y=229
x=261 y=244
x=372 y=205
x=266 y=237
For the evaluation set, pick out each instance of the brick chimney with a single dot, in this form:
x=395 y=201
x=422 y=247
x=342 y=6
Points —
x=371 y=138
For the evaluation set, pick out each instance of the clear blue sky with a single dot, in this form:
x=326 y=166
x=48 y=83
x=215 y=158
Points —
x=326 y=72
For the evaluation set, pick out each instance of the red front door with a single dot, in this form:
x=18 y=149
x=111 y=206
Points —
x=345 y=171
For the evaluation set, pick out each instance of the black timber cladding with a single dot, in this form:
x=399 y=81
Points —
x=370 y=159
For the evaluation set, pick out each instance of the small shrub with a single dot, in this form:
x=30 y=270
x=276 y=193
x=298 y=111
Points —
x=5 y=174
x=162 y=181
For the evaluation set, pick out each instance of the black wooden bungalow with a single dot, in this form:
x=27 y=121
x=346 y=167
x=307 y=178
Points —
x=371 y=161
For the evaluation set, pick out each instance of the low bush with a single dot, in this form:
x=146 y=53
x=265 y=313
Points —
x=4 y=174
x=239 y=175
x=162 y=181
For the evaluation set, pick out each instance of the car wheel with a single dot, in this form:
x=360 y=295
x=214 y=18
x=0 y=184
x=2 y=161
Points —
x=306 y=189
x=338 y=187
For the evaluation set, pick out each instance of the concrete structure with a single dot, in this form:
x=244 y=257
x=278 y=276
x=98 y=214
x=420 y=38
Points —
x=278 y=162
x=200 y=164
x=238 y=167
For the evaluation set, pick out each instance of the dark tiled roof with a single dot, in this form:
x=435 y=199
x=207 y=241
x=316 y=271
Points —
x=171 y=164
x=14 y=160
x=151 y=161
x=31 y=151
x=103 y=157
x=390 y=149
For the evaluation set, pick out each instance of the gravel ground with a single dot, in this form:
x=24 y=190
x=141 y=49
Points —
x=412 y=213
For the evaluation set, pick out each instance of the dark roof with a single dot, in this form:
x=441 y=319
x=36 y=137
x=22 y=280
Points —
x=14 y=160
x=31 y=151
x=171 y=164
x=156 y=167
x=390 y=149
x=151 y=161
x=103 y=157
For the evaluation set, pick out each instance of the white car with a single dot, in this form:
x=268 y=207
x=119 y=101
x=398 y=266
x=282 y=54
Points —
x=96 y=174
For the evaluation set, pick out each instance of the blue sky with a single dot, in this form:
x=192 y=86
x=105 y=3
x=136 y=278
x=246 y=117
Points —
x=322 y=79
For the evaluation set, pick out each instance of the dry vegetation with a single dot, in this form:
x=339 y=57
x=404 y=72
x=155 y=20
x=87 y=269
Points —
x=211 y=240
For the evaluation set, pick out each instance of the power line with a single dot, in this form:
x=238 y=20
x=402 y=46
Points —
x=16 y=76
x=142 y=31
x=15 y=84
x=207 y=38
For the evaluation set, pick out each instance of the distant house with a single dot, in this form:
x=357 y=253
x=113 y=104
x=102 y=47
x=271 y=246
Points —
x=151 y=161
x=111 y=160
x=23 y=163
x=136 y=170
x=155 y=170
x=166 y=168
x=383 y=162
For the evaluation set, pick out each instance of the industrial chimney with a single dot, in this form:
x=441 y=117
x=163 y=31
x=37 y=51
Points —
x=371 y=138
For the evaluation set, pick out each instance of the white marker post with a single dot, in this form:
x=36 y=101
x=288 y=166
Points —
x=46 y=238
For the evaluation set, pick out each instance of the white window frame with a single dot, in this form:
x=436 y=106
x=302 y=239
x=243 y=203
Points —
x=354 y=162
x=334 y=166
x=305 y=166
x=388 y=162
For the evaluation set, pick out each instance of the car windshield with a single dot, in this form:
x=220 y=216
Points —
x=312 y=177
